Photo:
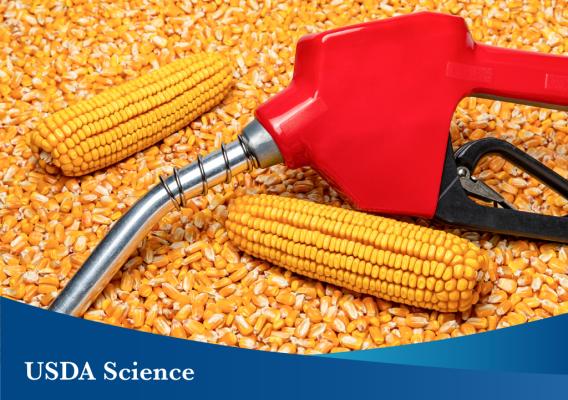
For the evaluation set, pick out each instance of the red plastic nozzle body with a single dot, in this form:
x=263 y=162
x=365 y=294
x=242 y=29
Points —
x=369 y=106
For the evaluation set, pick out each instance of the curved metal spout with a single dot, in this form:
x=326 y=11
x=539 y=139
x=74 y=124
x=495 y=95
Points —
x=255 y=148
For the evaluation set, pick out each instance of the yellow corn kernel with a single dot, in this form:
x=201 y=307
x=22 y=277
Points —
x=393 y=260
x=130 y=117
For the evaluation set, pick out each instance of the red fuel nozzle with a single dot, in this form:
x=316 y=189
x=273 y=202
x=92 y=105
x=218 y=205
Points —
x=370 y=105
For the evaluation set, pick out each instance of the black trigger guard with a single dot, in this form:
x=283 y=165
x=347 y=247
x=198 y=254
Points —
x=456 y=208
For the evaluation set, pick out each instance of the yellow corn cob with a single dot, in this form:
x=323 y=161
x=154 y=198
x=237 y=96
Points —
x=123 y=120
x=383 y=257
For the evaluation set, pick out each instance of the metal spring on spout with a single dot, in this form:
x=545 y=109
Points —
x=179 y=200
x=177 y=203
x=251 y=160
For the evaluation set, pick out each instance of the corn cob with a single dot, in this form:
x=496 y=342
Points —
x=123 y=120
x=383 y=257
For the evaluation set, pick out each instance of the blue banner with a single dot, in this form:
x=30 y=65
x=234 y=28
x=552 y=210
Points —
x=96 y=361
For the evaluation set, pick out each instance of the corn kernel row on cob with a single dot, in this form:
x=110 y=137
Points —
x=123 y=120
x=390 y=259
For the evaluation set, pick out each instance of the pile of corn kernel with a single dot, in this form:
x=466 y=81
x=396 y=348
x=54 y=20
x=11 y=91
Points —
x=186 y=279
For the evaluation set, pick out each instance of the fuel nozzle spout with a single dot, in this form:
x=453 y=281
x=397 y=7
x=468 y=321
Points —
x=254 y=148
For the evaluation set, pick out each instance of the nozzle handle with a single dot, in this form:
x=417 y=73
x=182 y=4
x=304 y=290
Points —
x=520 y=76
